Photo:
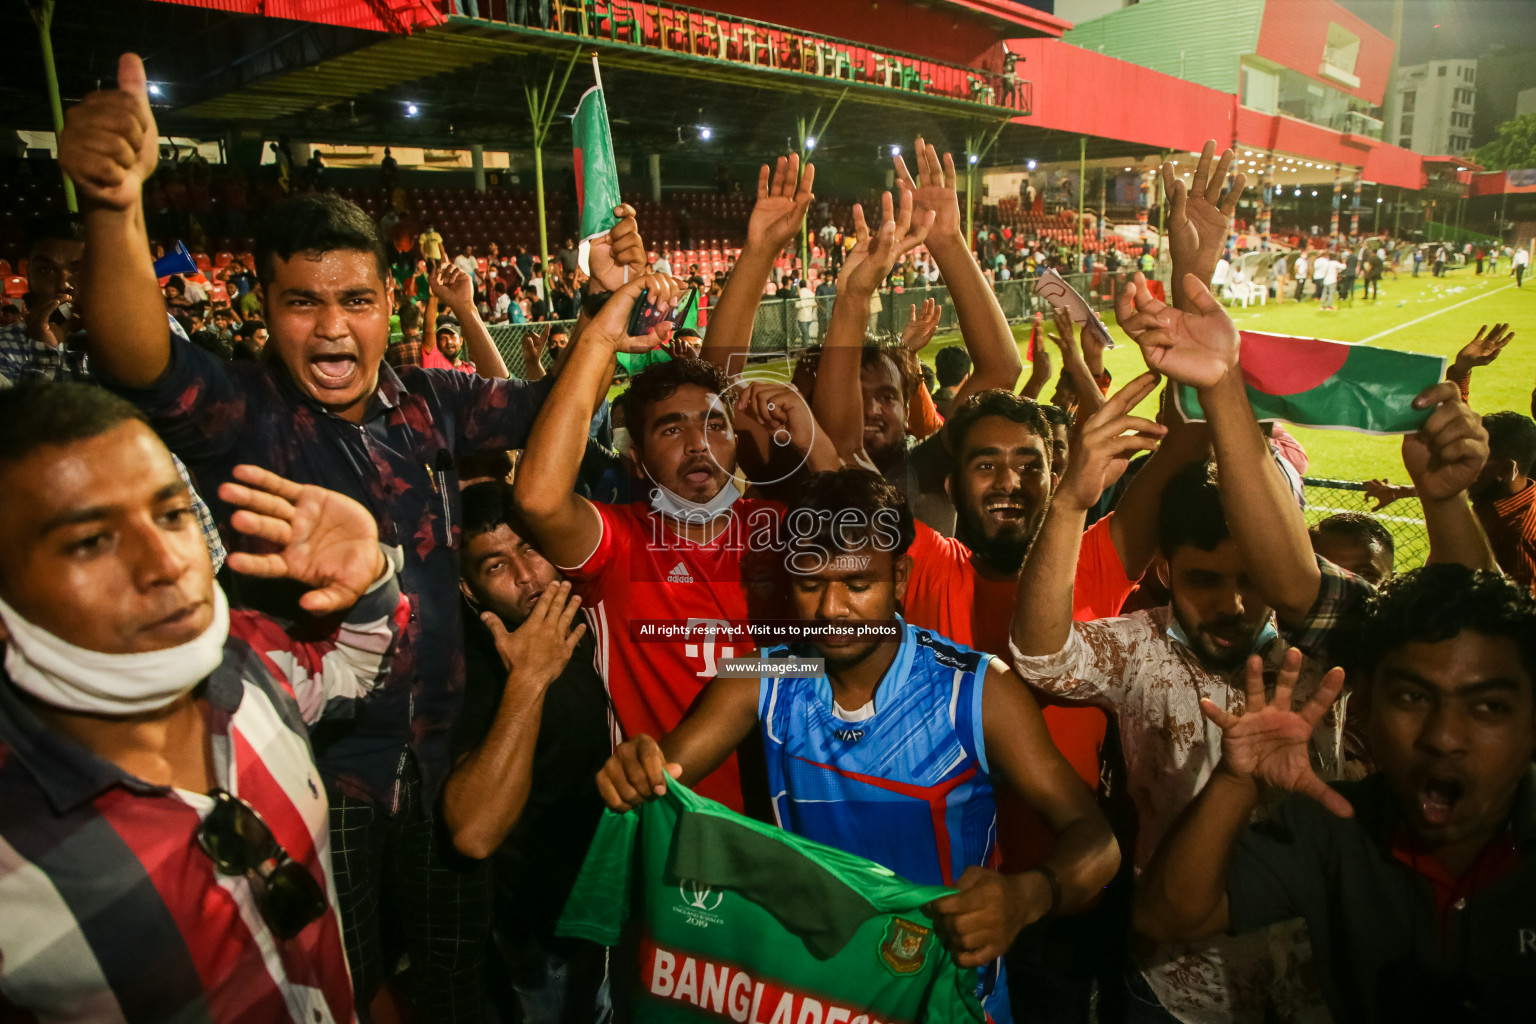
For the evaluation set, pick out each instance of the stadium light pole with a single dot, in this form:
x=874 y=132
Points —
x=811 y=133
x=541 y=111
x=1082 y=186
x=976 y=150
x=42 y=17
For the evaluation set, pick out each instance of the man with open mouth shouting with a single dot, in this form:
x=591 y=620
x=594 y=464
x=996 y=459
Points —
x=1418 y=888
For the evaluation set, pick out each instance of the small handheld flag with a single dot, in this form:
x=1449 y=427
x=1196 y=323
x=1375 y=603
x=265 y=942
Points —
x=597 y=173
x=1053 y=288
x=1332 y=385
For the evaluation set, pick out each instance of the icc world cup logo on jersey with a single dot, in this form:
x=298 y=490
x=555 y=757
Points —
x=699 y=896
x=905 y=946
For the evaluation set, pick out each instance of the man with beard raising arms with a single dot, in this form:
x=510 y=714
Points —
x=865 y=409
x=893 y=753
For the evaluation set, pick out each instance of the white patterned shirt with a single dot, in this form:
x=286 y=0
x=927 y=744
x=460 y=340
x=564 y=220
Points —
x=1136 y=669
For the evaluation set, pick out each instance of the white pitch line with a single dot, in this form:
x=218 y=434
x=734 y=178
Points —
x=1426 y=316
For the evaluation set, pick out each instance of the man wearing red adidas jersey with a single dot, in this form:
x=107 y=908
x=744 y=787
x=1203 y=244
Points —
x=164 y=839
x=673 y=560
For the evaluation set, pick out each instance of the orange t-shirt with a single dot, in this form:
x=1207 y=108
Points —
x=946 y=594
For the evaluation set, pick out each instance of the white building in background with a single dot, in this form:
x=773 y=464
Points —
x=1430 y=107
x=1525 y=102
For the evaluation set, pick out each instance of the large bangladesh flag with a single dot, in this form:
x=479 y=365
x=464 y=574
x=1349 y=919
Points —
x=597 y=175
x=1333 y=385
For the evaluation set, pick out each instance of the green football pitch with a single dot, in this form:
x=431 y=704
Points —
x=1423 y=314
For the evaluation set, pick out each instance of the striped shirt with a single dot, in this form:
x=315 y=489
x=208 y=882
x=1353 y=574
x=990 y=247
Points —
x=112 y=912
x=1510 y=523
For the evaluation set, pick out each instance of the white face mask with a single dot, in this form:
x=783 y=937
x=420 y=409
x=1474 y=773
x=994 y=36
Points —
x=674 y=505
x=58 y=673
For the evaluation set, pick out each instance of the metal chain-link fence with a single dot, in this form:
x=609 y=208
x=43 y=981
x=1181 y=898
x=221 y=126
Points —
x=791 y=325
x=1404 y=518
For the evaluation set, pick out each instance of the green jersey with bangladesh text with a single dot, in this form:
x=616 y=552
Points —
x=742 y=921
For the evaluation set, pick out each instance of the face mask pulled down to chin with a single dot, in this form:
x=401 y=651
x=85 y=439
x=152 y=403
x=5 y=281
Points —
x=72 y=678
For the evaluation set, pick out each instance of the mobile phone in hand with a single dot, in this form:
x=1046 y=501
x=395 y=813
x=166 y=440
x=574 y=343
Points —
x=647 y=315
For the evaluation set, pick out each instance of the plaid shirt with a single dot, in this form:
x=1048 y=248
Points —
x=406 y=352
x=1336 y=615
x=24 y=358
x=399 y=464
x=112 y=910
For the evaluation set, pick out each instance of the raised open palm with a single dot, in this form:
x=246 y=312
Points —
x=933 y=191
x=1197 y=348
x=324 y=539
x=1199 y=216
x=781 y=203
x=1485 y=347
x=874 y=254
x=922 y=324
x=1268 y=742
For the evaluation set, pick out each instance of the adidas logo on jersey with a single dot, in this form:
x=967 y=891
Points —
x=679 y=574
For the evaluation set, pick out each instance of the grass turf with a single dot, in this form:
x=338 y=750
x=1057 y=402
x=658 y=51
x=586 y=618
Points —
x=1454 y=307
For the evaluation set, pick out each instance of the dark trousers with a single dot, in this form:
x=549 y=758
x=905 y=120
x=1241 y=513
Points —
x=1371 y=289
x=1519 y=275
x=402 y=888
x=1301 y=289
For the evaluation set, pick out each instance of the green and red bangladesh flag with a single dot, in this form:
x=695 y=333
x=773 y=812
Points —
x=1332 y=385
x=597 y=173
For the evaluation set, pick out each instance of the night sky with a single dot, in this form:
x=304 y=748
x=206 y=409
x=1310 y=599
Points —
x=1466 y=28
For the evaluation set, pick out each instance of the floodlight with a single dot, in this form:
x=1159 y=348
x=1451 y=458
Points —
x=705 y=133
x=974 y=158
x=810 y=142
x=895 y=151
x=154 y=88
x=411 y=110
x=1030 y=165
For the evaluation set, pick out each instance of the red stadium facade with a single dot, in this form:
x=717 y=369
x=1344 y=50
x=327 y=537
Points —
x=875 y=43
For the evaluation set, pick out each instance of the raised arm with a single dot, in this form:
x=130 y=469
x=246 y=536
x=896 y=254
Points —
x=776 y=219
x=1102 y=447
x=984 y=328
x=1089 y=397
x=980 y=922
x=1182 y=894
x=488 y=787
x=1200 y=348
x=639 y=769
x=568 y=528
x=1482 y=350
x=1199 y=219
x=109 y=148
x=838 y=401
x=1444 y=458
x=456 y=290
x=330 y=544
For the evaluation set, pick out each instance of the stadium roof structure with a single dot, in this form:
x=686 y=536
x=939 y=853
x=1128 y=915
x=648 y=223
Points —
x=218 y=68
